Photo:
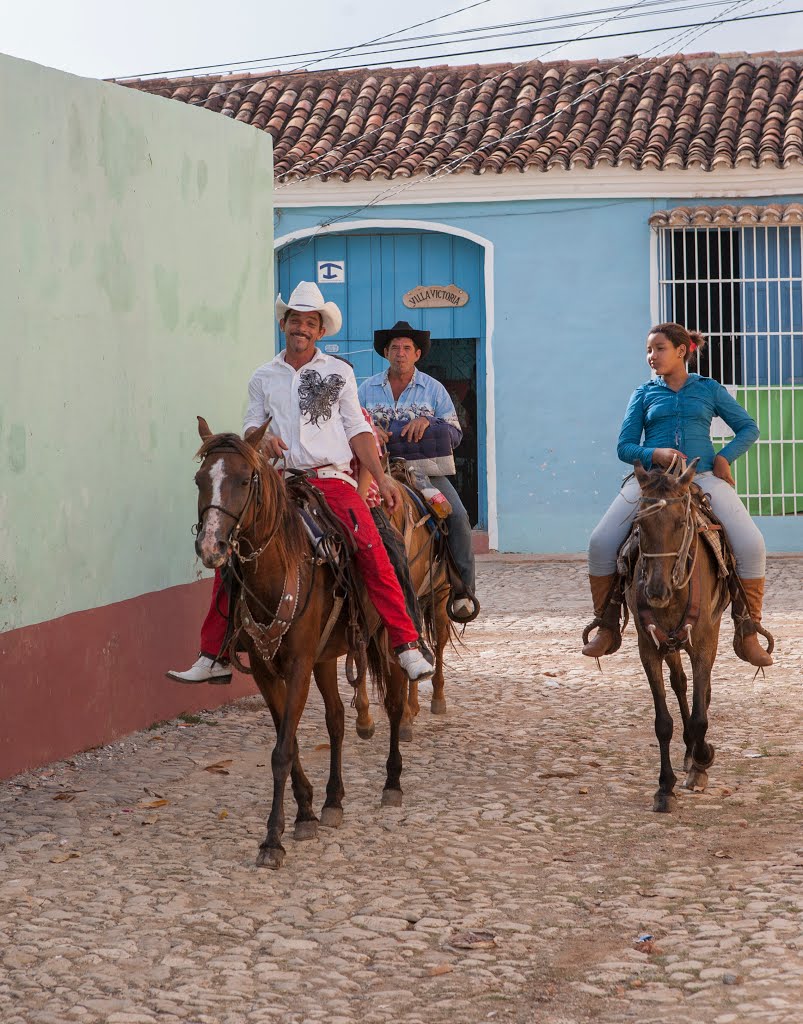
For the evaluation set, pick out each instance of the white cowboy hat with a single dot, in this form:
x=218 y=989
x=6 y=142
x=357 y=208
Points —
x=306 y=298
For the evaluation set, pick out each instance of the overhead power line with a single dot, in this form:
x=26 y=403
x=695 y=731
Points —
x=462 y=92
x=524 y=46
x=347 y=49
x=454 y=165
x=420 y=24
x=476 y=32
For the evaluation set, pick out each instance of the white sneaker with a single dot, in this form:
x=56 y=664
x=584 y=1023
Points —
x=415 y=665
x=203 y=671
x=463 y=607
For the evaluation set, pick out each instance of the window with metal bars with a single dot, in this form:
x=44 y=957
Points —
x=743 y=288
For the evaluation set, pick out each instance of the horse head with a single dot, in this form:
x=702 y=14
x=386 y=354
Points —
x=665 y=527
x=229 y=491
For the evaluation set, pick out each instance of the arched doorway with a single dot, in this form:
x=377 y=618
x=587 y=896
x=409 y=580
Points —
x=368 y=270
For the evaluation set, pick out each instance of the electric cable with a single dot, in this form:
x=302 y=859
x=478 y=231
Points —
x=478 y=31
x=453 y=166
x=286 y=181
x=453 y=99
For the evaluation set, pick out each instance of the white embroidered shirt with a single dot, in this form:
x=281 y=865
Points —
x=315 y=410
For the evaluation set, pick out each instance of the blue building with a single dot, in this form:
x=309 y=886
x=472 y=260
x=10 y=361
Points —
x=569 y=206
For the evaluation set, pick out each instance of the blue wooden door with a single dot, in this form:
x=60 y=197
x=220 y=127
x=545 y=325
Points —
x=379 y=268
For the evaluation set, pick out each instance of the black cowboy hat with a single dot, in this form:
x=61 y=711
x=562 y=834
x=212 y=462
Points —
x=401 y=329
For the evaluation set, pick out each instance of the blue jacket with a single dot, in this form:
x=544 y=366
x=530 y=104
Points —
x=682 y=420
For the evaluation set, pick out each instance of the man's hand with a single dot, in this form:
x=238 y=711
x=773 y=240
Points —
x=382 y=434
x=415 y=429
x=272 y=446
x=663 y=456
x=722 y=469
x=389 y=490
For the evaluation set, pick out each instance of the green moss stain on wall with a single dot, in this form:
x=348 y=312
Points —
x=136 y=283
x=17 y=444
x=116 y=274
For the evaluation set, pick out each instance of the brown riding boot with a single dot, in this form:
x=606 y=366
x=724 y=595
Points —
x=745 y=637
x=608 y=638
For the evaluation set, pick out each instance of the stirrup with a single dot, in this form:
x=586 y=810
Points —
x=462 y=619
x=597 y=623
x=611 y=612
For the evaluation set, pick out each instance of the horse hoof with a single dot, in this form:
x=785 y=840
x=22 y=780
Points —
x=438 y=707
x=391 y=798
x=664 y=803
x=696 y=779
x=270 y=857
x=365 y=732
x=331 y=817
x=305 y=830
x=406 y=733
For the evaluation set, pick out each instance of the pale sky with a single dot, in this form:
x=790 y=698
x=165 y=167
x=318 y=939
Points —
x=103 y=38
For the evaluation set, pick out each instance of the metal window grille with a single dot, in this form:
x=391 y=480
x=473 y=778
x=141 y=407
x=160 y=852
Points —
x=742 y=287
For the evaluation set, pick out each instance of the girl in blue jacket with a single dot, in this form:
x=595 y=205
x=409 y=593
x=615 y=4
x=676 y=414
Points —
x=668 y=418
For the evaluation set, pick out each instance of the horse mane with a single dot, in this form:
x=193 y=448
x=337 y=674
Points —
x=661 y=484
x=275 y=513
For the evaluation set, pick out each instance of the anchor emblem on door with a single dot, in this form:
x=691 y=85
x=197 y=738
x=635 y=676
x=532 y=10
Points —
x=331 y=271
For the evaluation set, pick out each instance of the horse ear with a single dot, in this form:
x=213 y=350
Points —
x=203 y=429
x=255 y=437
x=688 y=476
x=641 y=473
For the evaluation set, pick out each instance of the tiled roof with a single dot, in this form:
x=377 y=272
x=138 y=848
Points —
x=706 y=112
x=727 y=216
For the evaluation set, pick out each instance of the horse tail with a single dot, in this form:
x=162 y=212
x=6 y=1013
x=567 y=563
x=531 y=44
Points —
x=378 y=656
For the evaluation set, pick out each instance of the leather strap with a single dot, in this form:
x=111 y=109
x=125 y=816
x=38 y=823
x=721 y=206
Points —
x=267 y=638
x=681 y=635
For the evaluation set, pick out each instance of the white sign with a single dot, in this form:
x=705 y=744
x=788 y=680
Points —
x=331 y=348
x=331 y=271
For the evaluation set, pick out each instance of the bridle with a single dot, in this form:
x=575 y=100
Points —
x=266 y=638
x=685 y=571
x=683 y=567
x=254 y=498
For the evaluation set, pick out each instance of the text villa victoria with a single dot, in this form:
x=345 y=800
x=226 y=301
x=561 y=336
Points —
x=435 y=295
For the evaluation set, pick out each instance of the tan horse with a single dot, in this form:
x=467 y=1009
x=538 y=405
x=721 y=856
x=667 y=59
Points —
x=431 y=583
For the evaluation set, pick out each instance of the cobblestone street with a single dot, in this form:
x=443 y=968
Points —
x=513 y=885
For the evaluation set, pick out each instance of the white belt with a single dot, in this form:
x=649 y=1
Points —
x=330 y=473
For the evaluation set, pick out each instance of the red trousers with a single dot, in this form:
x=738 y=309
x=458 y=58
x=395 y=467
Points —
x=213 y=631
x=372 y=560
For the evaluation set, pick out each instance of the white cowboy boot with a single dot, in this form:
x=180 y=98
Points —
x=204 y=670
x=414 y=664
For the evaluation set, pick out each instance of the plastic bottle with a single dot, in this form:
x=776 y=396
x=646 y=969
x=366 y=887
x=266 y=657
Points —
x=438 y=502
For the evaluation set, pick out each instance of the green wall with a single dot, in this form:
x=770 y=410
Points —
x=136 y=289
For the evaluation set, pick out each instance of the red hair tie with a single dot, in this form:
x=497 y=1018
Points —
x=692 y=346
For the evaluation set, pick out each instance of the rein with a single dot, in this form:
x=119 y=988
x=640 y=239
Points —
x=266 y=638
x=685 y=572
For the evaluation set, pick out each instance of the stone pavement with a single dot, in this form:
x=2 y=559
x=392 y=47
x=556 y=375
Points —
x=513 y=885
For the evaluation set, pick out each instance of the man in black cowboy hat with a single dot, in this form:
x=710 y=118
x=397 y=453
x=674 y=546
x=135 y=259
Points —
x=417 y=420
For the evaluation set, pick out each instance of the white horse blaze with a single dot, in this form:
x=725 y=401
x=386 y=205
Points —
x=214 y=517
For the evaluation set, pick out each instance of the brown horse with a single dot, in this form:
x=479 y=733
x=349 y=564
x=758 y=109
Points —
x=285 y=606
x=431 y=583
x=677 y=598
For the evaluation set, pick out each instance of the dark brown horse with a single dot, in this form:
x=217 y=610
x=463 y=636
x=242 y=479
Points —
x=677 y=598
x=285 y=609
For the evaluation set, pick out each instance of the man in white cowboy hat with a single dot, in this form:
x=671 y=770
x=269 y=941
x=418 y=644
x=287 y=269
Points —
x=418 y=422
x=317 y=425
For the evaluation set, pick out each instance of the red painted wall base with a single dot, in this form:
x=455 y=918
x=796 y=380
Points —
x=85 y=679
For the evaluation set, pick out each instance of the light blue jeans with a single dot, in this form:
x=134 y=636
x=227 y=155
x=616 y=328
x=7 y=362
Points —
x=744 y=535
x=459 y=531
